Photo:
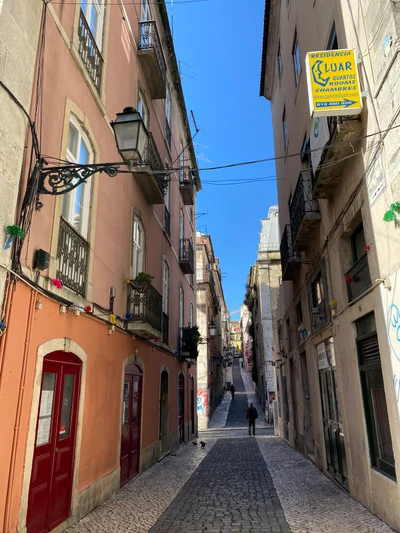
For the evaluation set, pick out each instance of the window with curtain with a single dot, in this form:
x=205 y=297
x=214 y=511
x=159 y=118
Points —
x=137 y=247
x=76 y=204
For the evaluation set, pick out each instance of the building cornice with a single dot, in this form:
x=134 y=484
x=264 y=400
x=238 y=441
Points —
x=270 y=39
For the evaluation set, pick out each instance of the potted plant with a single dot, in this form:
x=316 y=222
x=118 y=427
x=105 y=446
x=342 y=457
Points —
x=190 y=339
x=143 y=276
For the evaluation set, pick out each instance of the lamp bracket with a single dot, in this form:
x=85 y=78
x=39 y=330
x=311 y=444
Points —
x=62 y=180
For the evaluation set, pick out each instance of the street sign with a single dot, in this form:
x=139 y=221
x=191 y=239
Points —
x=333 y=83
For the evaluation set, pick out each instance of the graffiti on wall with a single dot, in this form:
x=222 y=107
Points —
x=202 y=401
x=393 y=332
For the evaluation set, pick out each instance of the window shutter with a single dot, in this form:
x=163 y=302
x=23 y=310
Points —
x=369 y=351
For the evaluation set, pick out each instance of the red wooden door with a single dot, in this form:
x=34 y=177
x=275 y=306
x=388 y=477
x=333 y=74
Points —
x=53 y=459
x=181 y=408
x=131 y=421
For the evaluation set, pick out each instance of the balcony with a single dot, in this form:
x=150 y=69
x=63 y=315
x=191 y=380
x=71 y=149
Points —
x=167 y=221
x=145 y=310
x=304 y=212
x=186 y=187
x=165 y=328
x=342 y=130
x=187 y=343
x=89 y=52
x=152 y=59
x=72 y=258
x=358 y=278
x=290 y=260
x=150 y=182
x=186 y=256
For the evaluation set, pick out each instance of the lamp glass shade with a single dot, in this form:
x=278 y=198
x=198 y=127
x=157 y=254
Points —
x=212 y=329
x=130 y=134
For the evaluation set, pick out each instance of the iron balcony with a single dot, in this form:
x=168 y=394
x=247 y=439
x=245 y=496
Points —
x=304 y=212
x=186 y=256
x=72 y=258
x=148 y=176
x=334 y=159
x=144 y=309
x=89 y=52
x=290 y=260
x=358 y=278
x=152 y=59
x=186 y=187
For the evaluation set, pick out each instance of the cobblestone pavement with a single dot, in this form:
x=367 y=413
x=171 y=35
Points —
x=235 y=484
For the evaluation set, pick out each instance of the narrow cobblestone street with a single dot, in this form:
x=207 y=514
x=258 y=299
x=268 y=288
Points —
x=235 y=484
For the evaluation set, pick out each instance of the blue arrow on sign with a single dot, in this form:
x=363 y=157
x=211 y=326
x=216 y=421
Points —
x=342 y=103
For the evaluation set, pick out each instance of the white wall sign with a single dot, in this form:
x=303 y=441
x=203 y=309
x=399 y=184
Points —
x=322 y=359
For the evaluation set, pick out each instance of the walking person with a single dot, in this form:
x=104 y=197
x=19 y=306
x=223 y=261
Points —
x=232 y=389
x=251 y=416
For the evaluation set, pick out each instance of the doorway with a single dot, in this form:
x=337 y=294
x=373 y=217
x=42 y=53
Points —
x=50 y=490
x=308 y=419
x=164 y=445
x=181 y=409
x=293 y=385
x=131 y=421
x=286 y=413
x=192 y=407
x=333 y=427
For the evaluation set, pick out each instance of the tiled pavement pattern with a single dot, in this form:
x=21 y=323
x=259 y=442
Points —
x=237 y=409
x=310 y=502
x=231 y=491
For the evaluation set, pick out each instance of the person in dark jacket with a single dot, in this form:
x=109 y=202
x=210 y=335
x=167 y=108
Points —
x=251 y=416
x=232 y=389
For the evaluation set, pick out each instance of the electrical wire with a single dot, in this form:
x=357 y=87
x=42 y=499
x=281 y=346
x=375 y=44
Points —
x=162 y=2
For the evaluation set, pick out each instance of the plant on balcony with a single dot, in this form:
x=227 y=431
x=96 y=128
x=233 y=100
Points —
x=142 y=276
x=191 y=338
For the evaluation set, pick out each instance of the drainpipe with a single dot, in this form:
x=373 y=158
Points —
x=11 y=475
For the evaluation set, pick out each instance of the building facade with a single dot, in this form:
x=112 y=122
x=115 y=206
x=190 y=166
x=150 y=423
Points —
x=265 y=277
x=212 y=321
x=94 y=368
x=337 y=362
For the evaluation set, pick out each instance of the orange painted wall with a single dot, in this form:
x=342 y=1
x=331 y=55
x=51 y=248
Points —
x=101 y=419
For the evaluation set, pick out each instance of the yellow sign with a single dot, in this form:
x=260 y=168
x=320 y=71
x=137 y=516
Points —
x=333 y=84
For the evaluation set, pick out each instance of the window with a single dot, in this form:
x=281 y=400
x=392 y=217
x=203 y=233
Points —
x=279 y=62
x=182 y=162
x=333 y=41
x=181 y=224
x=76 y=204
x=296 y=59
x=143 y=110
x=181 y=311
x=358 y=277
x=285 y=129
x=137 y=247
x=299 y=313
x=94 y=14
x=165 y=294
x=145 y=15
x=191 y=317
x=319 y=300
x=374 y=398
x=168 y=116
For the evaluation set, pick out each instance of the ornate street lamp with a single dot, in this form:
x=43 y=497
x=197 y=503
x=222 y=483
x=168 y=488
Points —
x=212 y=329
x=131 y=137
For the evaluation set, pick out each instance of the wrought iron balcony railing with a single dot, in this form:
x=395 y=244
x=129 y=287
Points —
x=165 y=328
x=89 y=51
x=145 y=304
x=167 y=221
x=151 y=158
x=358 y=278
x=186 y=256
x=150 y=40
x=72 y=258
x=289 y=258
x=186 y=186
x=303 y=208
x=187 y=345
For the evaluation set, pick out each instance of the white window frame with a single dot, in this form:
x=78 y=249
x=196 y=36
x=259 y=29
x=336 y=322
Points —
x=165 y=294
x=69 y=199
x=98 y=6
x=145 y=11
x=143 y=109
x=181 y=224
x=191 y=315
x=181 y=307
x=138 y=244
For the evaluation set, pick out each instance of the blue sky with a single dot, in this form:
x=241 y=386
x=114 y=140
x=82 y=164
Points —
x=223 y=41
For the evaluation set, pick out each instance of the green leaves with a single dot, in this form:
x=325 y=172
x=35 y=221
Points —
x=15 y=231
x=390 y=215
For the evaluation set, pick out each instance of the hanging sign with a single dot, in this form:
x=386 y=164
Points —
x=333 y=83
